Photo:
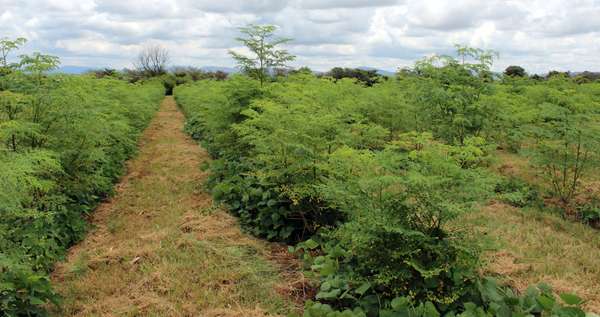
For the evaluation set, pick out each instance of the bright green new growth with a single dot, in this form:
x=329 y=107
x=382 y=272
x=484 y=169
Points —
x=260 y=41
x=39 y=64
x=6 y=47
x=451 y=92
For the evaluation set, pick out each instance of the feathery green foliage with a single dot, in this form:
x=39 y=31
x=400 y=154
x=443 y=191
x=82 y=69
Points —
x=63 y=141
x=365 y=179
x=266 y=55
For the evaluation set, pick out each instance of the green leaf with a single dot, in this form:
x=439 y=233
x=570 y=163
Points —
x=332 y=294
x=399 y=303
x=328 y=268
x=310 y=244
x=361 y=290
x=430 y=310
x=36 y=301
x=570 y=312
x=546 y=302
x=571 y=299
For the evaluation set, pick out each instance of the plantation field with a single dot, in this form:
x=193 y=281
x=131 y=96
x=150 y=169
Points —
x=396 y=197
x=444 y=190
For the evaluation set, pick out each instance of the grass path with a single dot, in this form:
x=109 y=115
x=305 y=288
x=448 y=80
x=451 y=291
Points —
x=159 y=248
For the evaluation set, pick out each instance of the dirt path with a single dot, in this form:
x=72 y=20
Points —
x=159 y=248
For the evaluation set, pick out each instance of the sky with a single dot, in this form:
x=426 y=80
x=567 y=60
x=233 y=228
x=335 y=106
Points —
x=540 y=35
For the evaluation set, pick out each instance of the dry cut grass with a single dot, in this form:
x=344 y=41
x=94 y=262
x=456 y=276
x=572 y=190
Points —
x=159 y=248
x=527 y=247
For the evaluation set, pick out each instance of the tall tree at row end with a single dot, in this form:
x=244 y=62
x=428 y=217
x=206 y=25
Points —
x=262 y=43
x=152 y=61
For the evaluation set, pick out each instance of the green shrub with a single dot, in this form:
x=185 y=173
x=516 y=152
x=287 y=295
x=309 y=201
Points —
x=63 y=142
x=589 y=212
x=517 y=193
x=474 y=153
x=23 y=292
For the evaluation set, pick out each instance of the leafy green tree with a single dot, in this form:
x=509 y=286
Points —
x=366 y=77
x=588 y=76
x=38 y=64
x=11 y=105
x=449 y=92
x=537 y=77
x=302 y=70
x=37 y=110
x=485 y=58
x=6 y=47
x=556 y=73
x=567 y=151
x=515 y=71
x=263 y=45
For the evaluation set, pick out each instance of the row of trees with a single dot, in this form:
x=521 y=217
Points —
x=366 y=177
x=153 y=60
x=514 y=71
x=267 y=59
x=454 y=90
x=63 y=142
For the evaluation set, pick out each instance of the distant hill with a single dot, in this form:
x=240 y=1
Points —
x=381 y=72
x=68 y=69
x=208 y=69
x=228 y=70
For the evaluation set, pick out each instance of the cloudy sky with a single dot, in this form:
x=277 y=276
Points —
x=537 y=34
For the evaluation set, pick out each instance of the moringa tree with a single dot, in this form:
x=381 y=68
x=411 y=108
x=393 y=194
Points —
x=262 y=43
x=7 y=46
x=38 y=64
x=450 y=93
x=567 y=147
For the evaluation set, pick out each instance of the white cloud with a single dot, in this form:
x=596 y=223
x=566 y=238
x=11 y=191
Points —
x=335 y=4
x=537 y=34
